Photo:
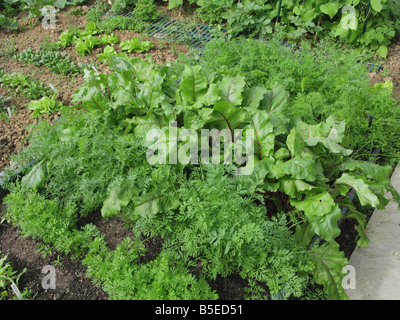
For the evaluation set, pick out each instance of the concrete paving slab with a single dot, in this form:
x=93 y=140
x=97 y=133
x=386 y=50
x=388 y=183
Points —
x=377 y=266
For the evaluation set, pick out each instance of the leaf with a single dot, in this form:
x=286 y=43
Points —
x=275 y=100
x=329 y=144
x=91 y=98
x=253 y=96
x=136 y=45
x=304 y=233
x=193 y=84
x=263 y=133
x=60 y=3
x=118 y=5
x=359 y=217
x=275 y=103
x=84 y=45
x=329 y=262
x=118 y=197
x=315 y=204
x=105 y=56
x=232 y=88
x=336 y=129
x=261 y=168
x=36 y=176
x=364 y=193
x=328 y=133
x=330 y=9
x=295 y=143
x=395 y=194
x=226 y=116
x=45 y=105
x=172 y=4
x=301 y=168
x=326 y=226
x=109 y=39
x=127 y=98
x=154 y=202
x=377 y=5
x=382 y=51
x=89 y=30
x=378 y=173
x=322 y=212
x=65 y=38
x=151 y=95
x=143 y=70
x=212 y=96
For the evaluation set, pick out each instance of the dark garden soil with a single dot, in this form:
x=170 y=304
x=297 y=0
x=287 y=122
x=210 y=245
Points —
x=32 y=255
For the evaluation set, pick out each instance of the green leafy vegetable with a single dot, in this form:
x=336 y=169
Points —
x=45 y=105
x=136 y=45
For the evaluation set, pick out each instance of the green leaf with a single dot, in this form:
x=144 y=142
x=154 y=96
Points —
x=193 y=84
x=60 y=3
x=118 y=197
x=212 y=96
x=295 y=143
x=329 y=144
x=232 y=88
x=275 y=100
x=45 y=105
x=36 y=176
x=304 y=233
x=326 y=226
x=84 y=45
x=377 y=5
x=322 y=212
x=395 y=194
x=253 y=96
x=359 y=217
x=275 y=103
x=226 y=116
x=172 y=4
x=301 y=168
x=89 y=30
x=329 y=262
x=109 y=39
x=136 y=45
x=105 y=56
x=330 y=9
x=316 y=204
x=335 y=129
x=364 y=193
x=92 y=99
x=65 y=38
x=378 y=173
x=152 y=95
x=155 y=202
x=382 y=51
x=328 y=133
x=263 y=133
x=118 y=5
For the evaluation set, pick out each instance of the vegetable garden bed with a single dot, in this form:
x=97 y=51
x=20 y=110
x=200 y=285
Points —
x=188 y=231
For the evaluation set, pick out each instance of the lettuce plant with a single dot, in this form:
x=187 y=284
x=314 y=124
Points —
x=105 y=56
x=45 y=105
x=84 y=45
x=136 y=45
x=106 y=39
